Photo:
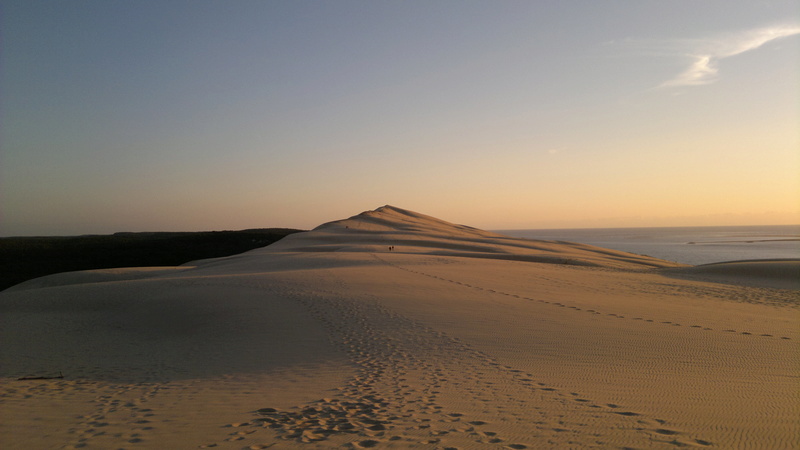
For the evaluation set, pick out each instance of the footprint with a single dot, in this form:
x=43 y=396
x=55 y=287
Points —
x=666 y=432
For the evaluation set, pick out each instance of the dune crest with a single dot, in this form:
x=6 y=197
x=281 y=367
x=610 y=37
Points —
x=411 y=232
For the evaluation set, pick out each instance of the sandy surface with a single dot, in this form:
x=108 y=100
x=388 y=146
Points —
x=455 y=338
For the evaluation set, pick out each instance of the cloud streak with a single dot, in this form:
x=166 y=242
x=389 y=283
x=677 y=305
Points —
x=707 y=53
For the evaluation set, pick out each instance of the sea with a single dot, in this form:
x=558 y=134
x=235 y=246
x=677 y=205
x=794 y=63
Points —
x=687 y=245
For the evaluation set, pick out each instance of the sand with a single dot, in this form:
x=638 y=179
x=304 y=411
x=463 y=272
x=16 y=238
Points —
x=393 y=329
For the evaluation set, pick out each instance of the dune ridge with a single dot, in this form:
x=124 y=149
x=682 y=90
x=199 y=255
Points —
x=455 y=338
x=779 y=273
x=411 y=232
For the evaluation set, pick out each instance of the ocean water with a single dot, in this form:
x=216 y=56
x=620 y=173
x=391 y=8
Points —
x=688 y=245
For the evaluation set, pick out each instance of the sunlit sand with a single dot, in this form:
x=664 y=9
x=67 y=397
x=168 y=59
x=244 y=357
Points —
x=393 y=329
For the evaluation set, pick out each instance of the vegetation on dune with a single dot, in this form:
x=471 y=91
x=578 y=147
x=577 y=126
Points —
x=24 y=258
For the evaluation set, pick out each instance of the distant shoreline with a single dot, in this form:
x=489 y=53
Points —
x=688 y=245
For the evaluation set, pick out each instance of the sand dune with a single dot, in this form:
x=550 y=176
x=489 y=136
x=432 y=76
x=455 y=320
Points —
x=779 y=273
x=454 y=338
x=411 y=232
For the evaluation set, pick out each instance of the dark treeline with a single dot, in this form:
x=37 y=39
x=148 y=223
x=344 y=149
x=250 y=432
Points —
x=24 y=258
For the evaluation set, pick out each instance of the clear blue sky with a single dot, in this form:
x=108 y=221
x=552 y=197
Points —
x=200 y=115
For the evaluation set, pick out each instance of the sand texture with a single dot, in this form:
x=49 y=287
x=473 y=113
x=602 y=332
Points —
x=393 y=329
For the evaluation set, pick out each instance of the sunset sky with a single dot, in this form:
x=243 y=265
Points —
x=200 y=115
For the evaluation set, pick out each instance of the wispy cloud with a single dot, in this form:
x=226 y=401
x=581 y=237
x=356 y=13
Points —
x=706 y=53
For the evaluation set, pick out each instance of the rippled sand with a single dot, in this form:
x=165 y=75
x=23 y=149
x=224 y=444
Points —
x=392 y=329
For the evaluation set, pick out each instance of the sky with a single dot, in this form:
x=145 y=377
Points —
x=193 y=115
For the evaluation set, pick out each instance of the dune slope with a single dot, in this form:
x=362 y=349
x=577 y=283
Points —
x=410 y=232
x=392 y=329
